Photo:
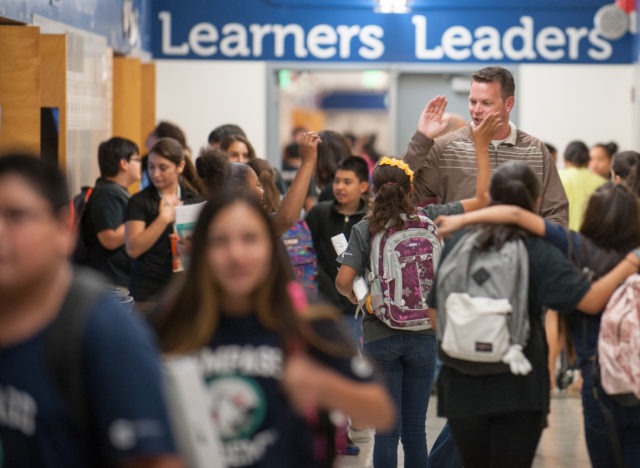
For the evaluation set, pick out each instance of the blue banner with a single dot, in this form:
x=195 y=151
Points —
x=438 y=31
x=125 y=23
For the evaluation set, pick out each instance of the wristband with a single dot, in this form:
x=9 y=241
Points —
x=636 y=252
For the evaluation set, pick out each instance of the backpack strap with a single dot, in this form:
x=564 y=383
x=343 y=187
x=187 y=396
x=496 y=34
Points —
x=373 y=272
x=376 y=242
x=83 y=220
x=64 y=344
x=519 y=325
x=80 y=201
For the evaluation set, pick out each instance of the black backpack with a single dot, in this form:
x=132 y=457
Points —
x=65 y=360
x=80 y=255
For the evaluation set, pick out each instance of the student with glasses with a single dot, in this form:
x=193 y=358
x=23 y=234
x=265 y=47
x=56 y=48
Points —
x=102 y=224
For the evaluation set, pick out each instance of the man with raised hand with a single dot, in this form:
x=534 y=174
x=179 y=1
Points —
x=445 y=166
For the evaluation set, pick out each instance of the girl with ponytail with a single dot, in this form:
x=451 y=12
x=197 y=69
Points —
x=406 y=358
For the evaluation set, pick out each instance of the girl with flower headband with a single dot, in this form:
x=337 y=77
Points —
x=406 y=358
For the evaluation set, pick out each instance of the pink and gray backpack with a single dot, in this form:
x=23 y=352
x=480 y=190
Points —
x=403 y=266
x=619 y=343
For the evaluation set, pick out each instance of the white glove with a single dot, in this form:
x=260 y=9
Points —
x=518 y=363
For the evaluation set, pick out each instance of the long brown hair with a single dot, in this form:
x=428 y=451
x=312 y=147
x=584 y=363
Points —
x=191 y=179
x=392 y=188
x=612 y=218
x=172 y=150
x=266 y=176
x=190 y=313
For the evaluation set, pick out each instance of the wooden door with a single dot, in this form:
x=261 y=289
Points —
x=53 y=90
x=20 y=88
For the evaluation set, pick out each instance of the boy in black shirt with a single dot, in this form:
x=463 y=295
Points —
x=329 y=218
x=103 y=221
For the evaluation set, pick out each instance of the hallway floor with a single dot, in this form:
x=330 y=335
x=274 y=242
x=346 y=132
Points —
x=562 y=443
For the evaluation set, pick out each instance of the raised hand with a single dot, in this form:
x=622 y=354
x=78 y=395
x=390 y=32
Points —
x=308 y=143
x=432 y=123
x=483 y=134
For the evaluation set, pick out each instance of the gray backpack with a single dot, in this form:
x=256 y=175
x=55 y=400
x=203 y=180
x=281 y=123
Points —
x=482 y=302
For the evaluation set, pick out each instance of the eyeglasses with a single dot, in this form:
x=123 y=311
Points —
x=133 y=158
x=18 y=217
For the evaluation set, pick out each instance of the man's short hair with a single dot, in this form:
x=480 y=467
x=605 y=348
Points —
x=223 y=131
x=43 y=177
x=497 y=75
x=357 y=165
x=111 y=152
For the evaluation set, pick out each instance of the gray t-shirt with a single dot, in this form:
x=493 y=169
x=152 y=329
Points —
x=357 y=256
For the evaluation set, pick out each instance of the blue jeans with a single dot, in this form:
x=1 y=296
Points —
x=354 y=327
x=599 y=433
x=407 y=364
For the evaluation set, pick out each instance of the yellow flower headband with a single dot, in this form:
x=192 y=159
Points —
x=399 y=163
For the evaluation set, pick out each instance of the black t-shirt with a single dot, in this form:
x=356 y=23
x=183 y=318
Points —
x=324 y=222
x=242 y=367
x=105 y=210
x=151 y=271
x=326 y=194
x=553 y=283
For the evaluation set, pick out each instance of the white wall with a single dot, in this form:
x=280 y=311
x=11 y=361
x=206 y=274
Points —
x=593 y=103
x=200 y=95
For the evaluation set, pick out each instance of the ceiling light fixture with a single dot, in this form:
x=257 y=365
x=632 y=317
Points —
x=392 y=6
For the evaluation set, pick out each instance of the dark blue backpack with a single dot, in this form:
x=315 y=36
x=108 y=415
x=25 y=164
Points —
x=79 y=205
